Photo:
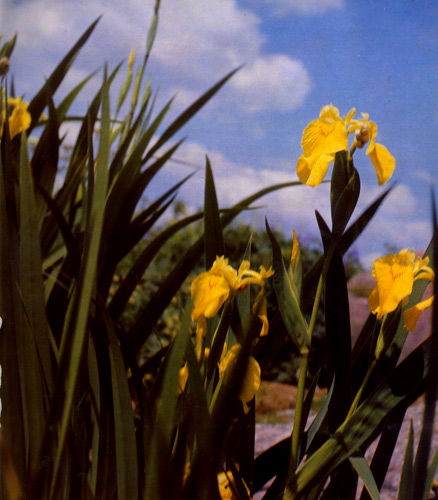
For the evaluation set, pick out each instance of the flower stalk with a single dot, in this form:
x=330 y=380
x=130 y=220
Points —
x=304 y=363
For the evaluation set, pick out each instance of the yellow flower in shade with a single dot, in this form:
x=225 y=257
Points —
x=19 y=118
x=212 y=288
x=327 y=135
x=183 y=377
x=395 y=275
x=383 y=161
x=251 y=382
x=226 y=486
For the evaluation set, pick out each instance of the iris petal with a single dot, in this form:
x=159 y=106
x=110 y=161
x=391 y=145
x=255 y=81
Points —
x=383 y=161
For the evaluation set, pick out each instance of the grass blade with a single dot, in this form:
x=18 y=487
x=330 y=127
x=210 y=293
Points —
x=364 y=472
x=125 y=441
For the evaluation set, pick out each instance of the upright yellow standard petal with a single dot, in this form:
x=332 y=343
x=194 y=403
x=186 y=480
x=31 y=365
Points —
x=324 y=136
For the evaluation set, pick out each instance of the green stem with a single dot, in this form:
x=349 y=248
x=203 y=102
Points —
x=361 y=388
x=296 y=431
x=380 y=345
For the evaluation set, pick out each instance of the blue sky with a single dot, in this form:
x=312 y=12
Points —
x=379 y=57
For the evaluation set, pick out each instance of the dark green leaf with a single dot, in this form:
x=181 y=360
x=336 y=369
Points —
x=345 y=189
x=338 y=340
x=213 y=237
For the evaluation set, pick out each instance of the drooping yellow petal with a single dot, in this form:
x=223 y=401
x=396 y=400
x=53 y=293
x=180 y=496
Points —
x=209 y=292
x=412 y=314
x=383 y=161
x=422 y=269
x=312 y=170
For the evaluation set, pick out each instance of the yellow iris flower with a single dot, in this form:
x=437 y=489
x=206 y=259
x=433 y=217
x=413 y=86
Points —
x=251 y=382
x=19 y=118
x=327 y=135
x=212 y=288
x=366 y=130
x=395 y=275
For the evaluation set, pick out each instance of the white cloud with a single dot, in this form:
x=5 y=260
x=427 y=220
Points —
x=199 y=39
x=274 y=82
x=196 y=44
x=230 y=36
